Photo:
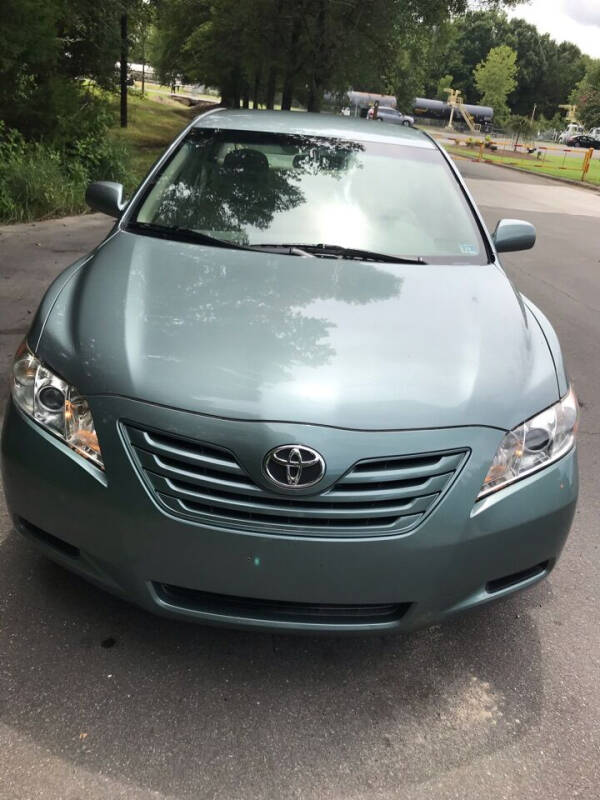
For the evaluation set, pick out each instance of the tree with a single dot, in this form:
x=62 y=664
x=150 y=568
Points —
x=495 y=79
x=252 y=50
x=445 y=82
x=534 y=56
x=587 y=96
x=50 y=50
x=467 y=42
x=589 y=111
x=140 y=35
x=547 y=71
x=521 y=126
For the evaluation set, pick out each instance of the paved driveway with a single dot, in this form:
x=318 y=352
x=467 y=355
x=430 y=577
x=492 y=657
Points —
x=101 y=700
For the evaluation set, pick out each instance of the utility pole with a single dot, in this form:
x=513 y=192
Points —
x=123 y=77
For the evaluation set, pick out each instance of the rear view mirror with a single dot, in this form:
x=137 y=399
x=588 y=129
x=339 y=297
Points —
x=107 y=197
x=513 y=234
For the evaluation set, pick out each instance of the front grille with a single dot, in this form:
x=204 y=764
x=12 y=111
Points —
x=283 y=611
x=387 y=495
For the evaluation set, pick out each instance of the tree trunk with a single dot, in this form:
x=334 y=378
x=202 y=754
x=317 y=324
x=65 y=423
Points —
x=315 y=97
x=292 y=58
x=271 y=86
x=123 y=76
x=228 y=96
x=143 y=76
x=256 y=92
x=236 y=87
x=246 y=96
x=288 y=91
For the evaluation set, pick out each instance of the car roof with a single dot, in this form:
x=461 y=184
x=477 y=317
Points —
x=310 y=124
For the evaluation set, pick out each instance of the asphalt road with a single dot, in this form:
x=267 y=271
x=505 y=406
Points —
x=101 y=700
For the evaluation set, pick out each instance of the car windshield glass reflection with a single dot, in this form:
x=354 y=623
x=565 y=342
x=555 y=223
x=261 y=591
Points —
x=249 y=189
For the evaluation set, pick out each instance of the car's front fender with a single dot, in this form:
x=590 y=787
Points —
x=553 y=344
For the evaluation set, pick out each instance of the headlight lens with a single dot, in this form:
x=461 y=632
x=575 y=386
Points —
x=533 y=445
x=54 y=404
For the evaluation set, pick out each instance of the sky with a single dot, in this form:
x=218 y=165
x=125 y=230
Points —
x=576 y=21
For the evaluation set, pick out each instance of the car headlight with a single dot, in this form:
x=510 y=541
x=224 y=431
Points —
x=533 y=445
x=54 y=404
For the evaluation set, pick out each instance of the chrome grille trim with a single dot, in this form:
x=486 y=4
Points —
x=204 y=482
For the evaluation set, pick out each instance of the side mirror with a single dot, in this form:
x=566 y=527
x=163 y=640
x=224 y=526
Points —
x=107 y=197
x=513 y=234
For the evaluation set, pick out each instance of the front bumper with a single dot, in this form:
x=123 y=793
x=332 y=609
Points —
x=108 y=528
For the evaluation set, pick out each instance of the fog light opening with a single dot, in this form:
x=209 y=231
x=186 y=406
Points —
x=64 y=548
x=498 y=584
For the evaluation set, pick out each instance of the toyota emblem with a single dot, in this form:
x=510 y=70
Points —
x=294 y=466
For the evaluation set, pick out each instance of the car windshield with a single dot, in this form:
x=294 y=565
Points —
x=253 y=188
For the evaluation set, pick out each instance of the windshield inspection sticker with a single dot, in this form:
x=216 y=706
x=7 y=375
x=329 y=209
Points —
x=468 y=249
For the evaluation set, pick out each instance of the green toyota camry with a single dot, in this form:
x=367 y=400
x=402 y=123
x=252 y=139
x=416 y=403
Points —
x=294 y=389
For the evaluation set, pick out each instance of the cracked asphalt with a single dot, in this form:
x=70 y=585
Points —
x=101 y=700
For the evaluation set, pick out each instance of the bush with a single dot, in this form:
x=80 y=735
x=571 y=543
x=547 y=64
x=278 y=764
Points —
x=33 y=185
x=102 y=158
x=40 y=179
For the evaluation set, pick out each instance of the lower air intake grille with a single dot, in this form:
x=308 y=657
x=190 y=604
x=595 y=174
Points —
x=376 y=496
x=250 y=608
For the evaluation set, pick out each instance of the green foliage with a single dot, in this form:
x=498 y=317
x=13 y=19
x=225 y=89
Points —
x=57 y=58
x=522 y=127
x=140 y=34
x=445 y=82
x=253 y=50
x=556 y=121
x=12 y=143
x=47 y=49
x=39 y=180
x=589 y=111
x=587 y=96
x=47 y=175
x=517 y=123
x=495 y=79
x=33 y=185
x=547 y=71
x=57 y=61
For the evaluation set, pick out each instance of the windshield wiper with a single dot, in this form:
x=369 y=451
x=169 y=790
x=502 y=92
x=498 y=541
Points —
x=338 y=251
x=319 y=250
x=185 y=234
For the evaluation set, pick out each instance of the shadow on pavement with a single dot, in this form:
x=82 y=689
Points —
x=188 y=710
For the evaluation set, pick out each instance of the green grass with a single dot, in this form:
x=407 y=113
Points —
x=165 y=91
x=152 y=125
x=155 y=88
x=550 y=165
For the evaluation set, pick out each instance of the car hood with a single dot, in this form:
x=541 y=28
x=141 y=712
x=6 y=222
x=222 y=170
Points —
x=260 y=336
